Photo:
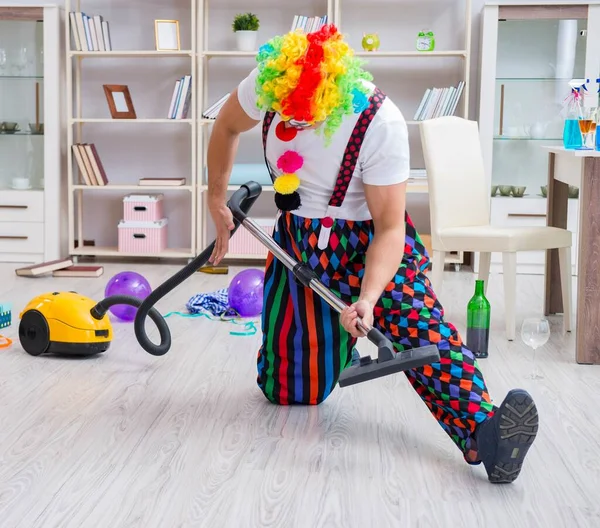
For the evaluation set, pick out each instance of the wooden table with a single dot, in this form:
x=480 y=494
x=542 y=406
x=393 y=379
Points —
x=582 y=169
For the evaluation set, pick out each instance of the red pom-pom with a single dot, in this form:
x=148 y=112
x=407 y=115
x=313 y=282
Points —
x=290 y=161
x=284 y=133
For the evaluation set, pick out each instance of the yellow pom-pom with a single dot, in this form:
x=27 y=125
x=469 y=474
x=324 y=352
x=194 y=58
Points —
x=286 y=183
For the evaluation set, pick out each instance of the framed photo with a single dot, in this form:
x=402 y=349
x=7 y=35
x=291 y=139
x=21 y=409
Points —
x=119 y=101
x=166 y=33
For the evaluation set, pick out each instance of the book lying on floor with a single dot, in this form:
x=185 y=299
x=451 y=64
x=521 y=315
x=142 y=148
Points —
x=43 y=267
x=79 y=271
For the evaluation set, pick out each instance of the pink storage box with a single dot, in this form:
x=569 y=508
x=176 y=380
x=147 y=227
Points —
x=245 y=243
x=143 y=207
x=143 y=237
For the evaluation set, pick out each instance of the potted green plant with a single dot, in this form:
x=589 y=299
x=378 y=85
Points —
x=245 y=27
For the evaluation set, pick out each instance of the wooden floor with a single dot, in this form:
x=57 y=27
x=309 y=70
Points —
x=129 y=440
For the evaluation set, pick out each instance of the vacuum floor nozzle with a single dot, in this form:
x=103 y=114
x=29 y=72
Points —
x=369 y=369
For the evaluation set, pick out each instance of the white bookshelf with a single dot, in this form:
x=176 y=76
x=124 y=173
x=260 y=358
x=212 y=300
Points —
x=336 y=11
x=78 y=120
x=216 y=67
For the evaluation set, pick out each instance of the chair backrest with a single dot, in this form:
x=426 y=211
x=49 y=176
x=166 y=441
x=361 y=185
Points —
x=458 y=194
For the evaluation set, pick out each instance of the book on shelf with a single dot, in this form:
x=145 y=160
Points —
x=161 y=182
x=89 y=33
x=43 y=267
x=213 y=110
x=438 y=102
x=308 y=24
x=90 y=166
x=181 y=98
x=79 y=271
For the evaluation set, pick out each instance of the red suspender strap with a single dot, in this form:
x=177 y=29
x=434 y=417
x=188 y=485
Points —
x=268 y=119
x=353 y=148
x=266 y=124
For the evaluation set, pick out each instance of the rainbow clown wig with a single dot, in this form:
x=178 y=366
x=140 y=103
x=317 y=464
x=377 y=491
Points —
x=311 y=78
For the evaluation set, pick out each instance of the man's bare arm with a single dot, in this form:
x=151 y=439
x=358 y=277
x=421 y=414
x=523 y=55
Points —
x=230 y=123
x=222 y=147
x=387 y=204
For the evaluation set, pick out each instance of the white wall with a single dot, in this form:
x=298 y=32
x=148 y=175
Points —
x=132 y=151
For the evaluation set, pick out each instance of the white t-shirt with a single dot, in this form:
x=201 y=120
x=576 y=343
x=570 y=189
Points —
x=383 y=159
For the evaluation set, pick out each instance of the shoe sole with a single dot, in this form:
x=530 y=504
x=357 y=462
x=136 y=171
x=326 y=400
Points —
x=516 y=430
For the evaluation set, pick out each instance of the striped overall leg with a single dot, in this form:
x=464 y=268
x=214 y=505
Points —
x=304 y=347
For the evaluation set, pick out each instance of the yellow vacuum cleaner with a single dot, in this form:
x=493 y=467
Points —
x=69 y=323
x=62 y=323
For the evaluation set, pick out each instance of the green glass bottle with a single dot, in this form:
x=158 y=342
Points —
x=478 y=322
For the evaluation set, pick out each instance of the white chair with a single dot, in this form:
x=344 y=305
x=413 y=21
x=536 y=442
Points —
x=459 y=201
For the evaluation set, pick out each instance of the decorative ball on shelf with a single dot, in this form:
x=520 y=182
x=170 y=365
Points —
x=127 y=283
x=245 y=294
x=370 y=41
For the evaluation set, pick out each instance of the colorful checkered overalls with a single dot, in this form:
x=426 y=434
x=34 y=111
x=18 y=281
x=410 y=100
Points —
x=305 y=348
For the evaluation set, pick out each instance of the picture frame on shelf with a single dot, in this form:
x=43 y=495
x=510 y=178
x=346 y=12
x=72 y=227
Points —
x=166 y=34
x=119 y=101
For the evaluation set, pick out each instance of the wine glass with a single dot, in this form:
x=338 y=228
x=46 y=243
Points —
x=19 y=62
x=535 y=333
x=587 y=118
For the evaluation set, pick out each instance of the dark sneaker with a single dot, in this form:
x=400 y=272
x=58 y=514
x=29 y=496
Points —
x=503 y=441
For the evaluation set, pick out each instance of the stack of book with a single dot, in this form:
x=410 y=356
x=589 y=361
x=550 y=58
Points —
x=181 y=98
x=89 y=33
x=213 y=111
x=438 y=102
x=308 y=24
x=89 y=164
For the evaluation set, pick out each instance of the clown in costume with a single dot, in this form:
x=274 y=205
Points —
x=337 y=150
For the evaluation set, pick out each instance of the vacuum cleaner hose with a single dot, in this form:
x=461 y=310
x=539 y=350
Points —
x=100 y=309
x=241 y=202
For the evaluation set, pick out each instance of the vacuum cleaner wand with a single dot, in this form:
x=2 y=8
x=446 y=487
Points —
x=388 y=361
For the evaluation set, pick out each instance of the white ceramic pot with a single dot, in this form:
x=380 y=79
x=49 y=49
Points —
x=246 y=40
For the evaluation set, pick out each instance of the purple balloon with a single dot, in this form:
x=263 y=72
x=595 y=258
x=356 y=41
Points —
x=127 y=283
x=246 y=292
